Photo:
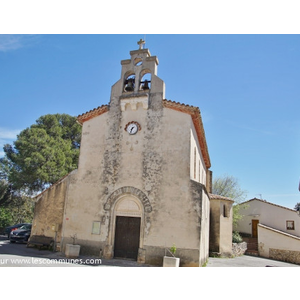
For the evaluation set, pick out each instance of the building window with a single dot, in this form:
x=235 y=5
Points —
x=290 y=225
x=96 y=227
x=224 y=211
x=195 y=162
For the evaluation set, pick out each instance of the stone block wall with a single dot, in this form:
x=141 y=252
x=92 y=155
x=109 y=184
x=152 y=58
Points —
x=239 y=249
x=285 y=255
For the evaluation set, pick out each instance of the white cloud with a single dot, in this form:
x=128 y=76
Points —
x=8 y=133
x=9 y=42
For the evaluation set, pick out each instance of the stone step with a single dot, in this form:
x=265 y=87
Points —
x=252 y=244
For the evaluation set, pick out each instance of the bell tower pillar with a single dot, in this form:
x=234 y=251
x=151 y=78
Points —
x=139 y=82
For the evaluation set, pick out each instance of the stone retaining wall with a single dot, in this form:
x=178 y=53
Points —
x=239 y=249
x=278 y=245
x=285 y=255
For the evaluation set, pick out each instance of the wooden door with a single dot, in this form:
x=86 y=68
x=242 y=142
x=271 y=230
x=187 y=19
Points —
x=127 y=237
x=254 y=228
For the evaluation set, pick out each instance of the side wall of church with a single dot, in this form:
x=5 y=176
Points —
x=197 y=170
x=204 y=237
x=49 y=210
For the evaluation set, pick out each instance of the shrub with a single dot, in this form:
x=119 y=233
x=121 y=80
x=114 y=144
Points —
x=173 y=249
x=236 y=237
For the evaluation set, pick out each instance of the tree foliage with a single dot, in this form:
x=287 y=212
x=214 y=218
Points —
x=228 y=186
x=19 y=210
x=15 y=207
x=5 y=217
x=297 y=206
x=5 y=193
x=42 y=153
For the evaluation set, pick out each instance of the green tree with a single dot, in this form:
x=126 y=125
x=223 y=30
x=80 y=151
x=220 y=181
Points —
x=6 y=218
x=21 y=209
x=297 y=206
x=5 y=192
x=228 y=186
x=15 y=207
x=42 y=153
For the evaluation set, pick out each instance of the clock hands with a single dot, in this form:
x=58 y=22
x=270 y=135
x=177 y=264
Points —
x=132 y=128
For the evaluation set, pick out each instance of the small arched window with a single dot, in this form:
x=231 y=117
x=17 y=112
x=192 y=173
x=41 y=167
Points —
x=138 y=61
x=224 y=211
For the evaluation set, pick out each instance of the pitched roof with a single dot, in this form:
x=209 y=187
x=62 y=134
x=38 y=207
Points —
x=266 y=202
x=92 y=114
x=218 y=197
x=193 y=111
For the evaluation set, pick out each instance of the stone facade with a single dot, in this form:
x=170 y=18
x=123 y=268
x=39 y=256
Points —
x=158 y=177
x=49 y=210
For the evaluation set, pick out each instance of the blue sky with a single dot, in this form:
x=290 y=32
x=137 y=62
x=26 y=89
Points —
x=246 y=86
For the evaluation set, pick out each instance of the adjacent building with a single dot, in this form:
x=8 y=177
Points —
x=276 y=229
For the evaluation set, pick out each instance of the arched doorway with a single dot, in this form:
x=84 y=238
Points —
x=127 y=227
x=126 y=201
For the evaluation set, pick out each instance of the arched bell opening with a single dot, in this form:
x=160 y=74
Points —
x=129 y=83
x=145 y=83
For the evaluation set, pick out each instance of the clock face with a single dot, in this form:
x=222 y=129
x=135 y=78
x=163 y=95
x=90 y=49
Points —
x=132 y=128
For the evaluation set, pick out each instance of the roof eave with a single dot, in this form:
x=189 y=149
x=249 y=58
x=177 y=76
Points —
x=92 y=114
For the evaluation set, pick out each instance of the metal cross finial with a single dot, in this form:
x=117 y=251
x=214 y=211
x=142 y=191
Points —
x=141 y=42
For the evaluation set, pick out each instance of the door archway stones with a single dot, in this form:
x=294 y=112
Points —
x=129 y=190
x=121 y=203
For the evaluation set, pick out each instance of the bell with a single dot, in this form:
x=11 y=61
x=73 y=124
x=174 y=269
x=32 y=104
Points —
x=146 y=86
x=129 y=86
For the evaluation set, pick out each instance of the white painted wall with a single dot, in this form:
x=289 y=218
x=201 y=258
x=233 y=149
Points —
x=197 y=165
x=204 y=239
x=268 y=238
x=268 y=214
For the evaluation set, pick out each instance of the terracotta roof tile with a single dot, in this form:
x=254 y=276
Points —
x=213 y=196
x=92 y=113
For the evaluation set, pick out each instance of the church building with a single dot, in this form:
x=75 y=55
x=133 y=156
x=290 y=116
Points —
x=143 y=181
